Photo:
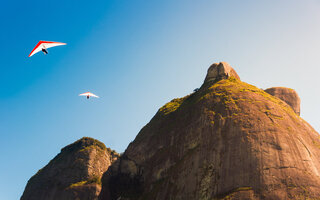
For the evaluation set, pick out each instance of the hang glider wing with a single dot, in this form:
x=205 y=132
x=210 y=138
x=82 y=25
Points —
x=93 y=95
x=88 y=94
x=44 y=45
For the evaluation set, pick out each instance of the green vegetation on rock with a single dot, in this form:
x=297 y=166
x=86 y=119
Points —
x=171 y=106
x=83 y=143
x=95 y=180
x=230 y=194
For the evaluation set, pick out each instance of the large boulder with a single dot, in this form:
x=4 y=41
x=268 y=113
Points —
x=219 y=71
x=288 y=95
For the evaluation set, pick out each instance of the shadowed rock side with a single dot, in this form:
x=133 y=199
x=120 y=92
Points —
x=74 y=174
x=288 y=95
x=228 y=140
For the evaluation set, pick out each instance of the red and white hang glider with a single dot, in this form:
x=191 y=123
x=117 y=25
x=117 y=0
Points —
x=43 y=46
x=88 y=95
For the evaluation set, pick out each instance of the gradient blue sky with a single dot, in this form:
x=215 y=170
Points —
x=137 y=55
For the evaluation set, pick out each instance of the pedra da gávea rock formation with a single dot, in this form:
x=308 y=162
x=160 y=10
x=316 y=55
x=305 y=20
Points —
x=75 y=173
x=228 y=140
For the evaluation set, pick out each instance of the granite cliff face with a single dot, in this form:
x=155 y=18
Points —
x=228 y=140
x=75 y=173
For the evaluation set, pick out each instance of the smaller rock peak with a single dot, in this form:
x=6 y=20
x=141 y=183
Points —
x=75 y=173
x=219 y=71
x=288 y=95
x=83 y=143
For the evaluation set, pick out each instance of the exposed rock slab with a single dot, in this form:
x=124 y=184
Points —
x=74 y=174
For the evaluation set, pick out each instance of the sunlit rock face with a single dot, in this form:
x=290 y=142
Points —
x=288 y=95
x=75 y=173
x=227 y=140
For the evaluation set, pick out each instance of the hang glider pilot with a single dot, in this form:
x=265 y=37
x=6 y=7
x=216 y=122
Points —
x=88 y=95
x=44 y=50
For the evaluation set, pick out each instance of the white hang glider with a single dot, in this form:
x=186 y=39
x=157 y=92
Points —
x=43 y=46
x=88 y=95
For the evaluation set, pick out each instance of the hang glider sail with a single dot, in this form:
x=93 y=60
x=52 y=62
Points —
x=88 y=95
x=43 y=46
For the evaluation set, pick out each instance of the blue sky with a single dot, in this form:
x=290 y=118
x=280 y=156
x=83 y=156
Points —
x=136 y=55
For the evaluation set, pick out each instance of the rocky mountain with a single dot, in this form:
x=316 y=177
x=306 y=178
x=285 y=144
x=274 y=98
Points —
x=227 y=140
x=75 y=173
